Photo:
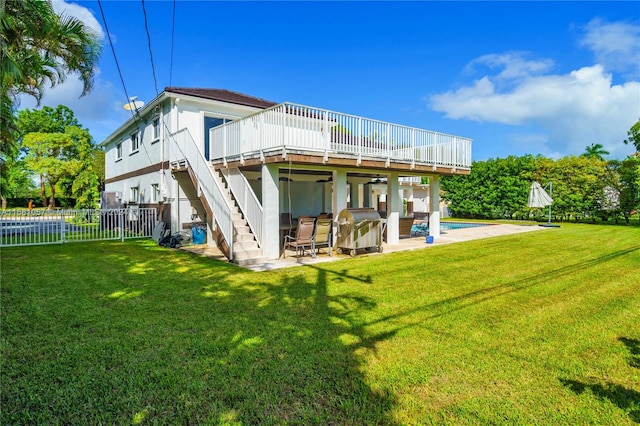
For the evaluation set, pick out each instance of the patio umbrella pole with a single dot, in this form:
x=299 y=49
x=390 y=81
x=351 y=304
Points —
x=550 y=195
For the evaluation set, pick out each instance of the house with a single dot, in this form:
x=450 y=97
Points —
x=238 y=162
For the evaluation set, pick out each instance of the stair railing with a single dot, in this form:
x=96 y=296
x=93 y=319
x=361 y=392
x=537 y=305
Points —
x=182 y=146
x=247 y=201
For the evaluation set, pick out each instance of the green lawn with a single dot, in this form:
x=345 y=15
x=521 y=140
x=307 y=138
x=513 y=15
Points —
x=534 y=328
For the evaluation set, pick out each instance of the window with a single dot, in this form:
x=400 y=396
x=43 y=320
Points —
x=119 y=151
x=155 y=192
x=135 y=141
x=134 y=194
x=156 y=129
x=209 y=123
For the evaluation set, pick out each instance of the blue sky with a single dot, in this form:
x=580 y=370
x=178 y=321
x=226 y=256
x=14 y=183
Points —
x=517 y=77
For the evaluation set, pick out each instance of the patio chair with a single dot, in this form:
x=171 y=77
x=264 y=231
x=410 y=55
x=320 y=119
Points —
x=405 y=224
x=322 y=236
x=303 y=238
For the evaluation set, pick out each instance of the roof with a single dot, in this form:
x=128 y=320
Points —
x=222 y=95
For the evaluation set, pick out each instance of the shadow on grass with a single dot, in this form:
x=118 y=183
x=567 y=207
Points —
x=131 y=333
x=626 y=399
x=486 y=294
x=633 y=345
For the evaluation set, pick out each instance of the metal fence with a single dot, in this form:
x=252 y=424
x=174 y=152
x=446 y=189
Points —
x=37 y=227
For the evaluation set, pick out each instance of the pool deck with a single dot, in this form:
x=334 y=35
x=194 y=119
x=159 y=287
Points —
x=414 y=243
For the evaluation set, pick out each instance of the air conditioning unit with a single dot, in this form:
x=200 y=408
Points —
x=134 y=212
x=110 y=200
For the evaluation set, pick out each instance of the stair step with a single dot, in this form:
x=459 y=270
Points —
x=251 y=262
x=244 y=237
x=245 y=245
x=246 y=254
x=241 y=230
x=239 y=223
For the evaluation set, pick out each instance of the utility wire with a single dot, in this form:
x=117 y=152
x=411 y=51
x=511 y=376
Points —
x=153 y=68
x=173 y=27
x=134 y=111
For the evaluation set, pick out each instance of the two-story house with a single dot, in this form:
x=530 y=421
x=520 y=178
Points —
x=240 y=163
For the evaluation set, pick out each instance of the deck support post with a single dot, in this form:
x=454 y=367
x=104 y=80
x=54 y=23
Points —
x=394 y=208
x=271 y=211
x=339 y=193
x=434 y=211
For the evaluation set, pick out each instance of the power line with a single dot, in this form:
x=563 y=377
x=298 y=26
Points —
x=173 y=27
x=153 y=68
x=133 y=110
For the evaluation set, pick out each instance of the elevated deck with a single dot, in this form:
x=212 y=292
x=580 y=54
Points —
x=306 y=135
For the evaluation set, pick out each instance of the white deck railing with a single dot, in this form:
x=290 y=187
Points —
x=247 y=201
x=290 y=126
x=183 y=147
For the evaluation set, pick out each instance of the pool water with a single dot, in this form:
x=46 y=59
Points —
x=419 y=230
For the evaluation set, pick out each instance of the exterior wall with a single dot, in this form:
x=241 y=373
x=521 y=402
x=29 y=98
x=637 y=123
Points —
x=149 y=164
x=421 y=201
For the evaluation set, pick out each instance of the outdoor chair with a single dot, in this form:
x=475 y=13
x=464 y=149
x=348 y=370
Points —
x=303 y=238
x=405 y=224
x=287 y=223
x=322 y=236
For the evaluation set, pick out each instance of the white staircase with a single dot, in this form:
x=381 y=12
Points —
x=246 y=250
x=234 y=236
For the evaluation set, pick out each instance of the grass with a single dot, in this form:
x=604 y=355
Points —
x=534 y=328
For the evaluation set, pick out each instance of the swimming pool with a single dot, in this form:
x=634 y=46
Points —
x=420 y=230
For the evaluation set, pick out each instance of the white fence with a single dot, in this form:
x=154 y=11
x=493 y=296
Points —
x=37 y=227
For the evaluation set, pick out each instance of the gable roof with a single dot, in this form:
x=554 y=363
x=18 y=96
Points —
x=222 y=95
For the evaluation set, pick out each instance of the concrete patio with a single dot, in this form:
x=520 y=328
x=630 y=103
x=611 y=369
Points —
x=446 y=237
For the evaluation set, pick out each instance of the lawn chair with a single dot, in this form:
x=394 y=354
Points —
x=303 y=238
x=322 y=236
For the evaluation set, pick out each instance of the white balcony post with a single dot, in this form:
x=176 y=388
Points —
x=224 y=144
x=271 y=211
x=388 y=139
x=434 y=215
x=359 y=137
x=285 y=123
x=327 y=138
x=394 y=208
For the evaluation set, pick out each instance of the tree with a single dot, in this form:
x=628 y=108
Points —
x=634 y=136
x=595 y=151
x=15 y=179
x=39 y=47
x=629 y=186
x=60 y=150
x=496 y=188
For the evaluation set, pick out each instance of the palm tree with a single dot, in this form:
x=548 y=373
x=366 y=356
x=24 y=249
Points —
x=634 y=136
x=39 y=47
x=595 y=151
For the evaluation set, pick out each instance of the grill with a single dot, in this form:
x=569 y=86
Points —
x=359 y=229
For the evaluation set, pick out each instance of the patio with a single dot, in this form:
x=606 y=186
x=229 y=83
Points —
x=446 y=237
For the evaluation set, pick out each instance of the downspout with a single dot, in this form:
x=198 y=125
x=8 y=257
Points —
x=162 y=176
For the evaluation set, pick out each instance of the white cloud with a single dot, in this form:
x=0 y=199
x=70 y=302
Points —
x=574 y=109
x=82 y=13
x=616 y=45
x=514 y=65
